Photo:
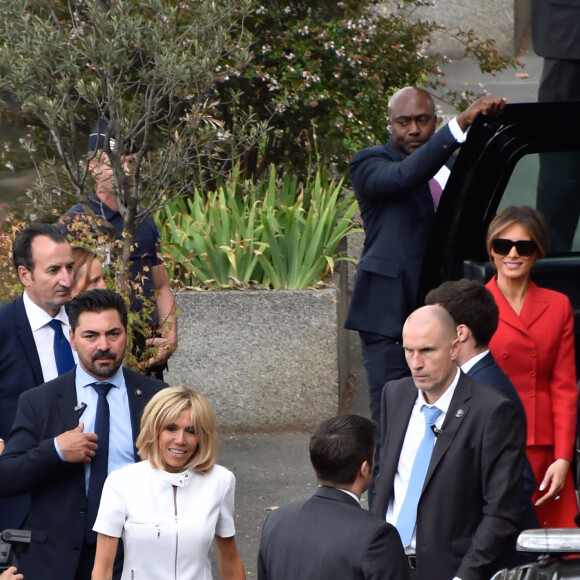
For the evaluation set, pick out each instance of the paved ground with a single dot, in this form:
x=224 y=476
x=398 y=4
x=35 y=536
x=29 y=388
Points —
x=273 y=470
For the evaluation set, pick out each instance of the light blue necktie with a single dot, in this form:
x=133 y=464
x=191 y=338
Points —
x=408 y=514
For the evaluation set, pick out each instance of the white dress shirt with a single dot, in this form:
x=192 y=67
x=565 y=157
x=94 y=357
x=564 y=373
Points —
x=413 y=437
x=44 y=335
x=467 y=366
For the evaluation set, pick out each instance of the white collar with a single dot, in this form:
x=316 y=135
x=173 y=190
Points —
x=467 y=366
x=37 y=317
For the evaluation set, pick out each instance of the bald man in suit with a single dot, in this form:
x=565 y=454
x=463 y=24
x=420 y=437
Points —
x=470 y=498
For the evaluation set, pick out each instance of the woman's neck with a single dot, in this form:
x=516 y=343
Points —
x=514 y=291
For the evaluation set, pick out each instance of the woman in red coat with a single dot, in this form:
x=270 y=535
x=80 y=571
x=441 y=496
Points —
x=534 y=345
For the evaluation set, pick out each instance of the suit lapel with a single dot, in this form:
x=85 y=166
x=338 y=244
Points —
x=67 y=401
x=534 y=306
x=399 y=411
x=136 y=403
x=458 y=410
x=26 y=338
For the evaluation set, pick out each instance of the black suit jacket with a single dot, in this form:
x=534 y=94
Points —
x=471 y=500
x=30 y=463
x=556 y=28
x=397 y=212
x=329 y=537
x=20 y=370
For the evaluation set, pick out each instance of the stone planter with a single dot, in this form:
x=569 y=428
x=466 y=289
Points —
x=266 y=360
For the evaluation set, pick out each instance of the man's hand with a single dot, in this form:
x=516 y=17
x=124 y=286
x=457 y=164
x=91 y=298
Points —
x=1 y=447
x=554 y=480
x=10 y=574
x=483 y=106
x=165 y=348
x=76 y=446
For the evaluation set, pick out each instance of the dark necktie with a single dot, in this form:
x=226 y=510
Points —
x=62 y=351
x=436 y=192
x=408 y=514
x=100 y=462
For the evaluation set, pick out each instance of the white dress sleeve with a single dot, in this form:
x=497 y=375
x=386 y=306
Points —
x=225 y=526
x=113 y=507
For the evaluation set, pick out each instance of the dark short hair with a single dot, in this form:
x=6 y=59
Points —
x=339 y=446
x=469 y=302
x=22 y=248
x=97 y=140
x=96 y=300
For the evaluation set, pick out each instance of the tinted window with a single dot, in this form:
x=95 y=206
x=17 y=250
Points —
x=550 y=182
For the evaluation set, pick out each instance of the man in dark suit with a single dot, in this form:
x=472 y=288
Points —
x=475 y=313
x=43 y=260
x=49 y=452
x=468 y=502
x=329 y=536
x=556 y=37
x=396 y=186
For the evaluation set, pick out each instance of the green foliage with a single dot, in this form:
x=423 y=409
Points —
x=147 y=67
x=198 y=84
x=264 y=234
x=322 y=72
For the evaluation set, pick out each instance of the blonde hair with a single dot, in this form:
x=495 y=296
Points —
x=527 y=217
x=162 y=410
x=82 y=257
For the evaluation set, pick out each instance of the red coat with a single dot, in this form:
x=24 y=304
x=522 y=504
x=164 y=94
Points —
x=536 y=351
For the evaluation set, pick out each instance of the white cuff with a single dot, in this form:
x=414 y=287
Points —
x=456 y=131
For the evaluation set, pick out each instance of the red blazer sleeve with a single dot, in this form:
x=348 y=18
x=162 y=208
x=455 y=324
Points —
x=563 y=388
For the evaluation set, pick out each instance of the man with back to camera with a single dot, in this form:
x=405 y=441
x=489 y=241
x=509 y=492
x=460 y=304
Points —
x=34 y=348
x=330 y=536
x=452 y=458
x=148 y=277
x=59 y=450
x=397 y=186
x=475 y=313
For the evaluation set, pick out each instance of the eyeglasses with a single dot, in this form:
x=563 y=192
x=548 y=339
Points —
x=503 y=246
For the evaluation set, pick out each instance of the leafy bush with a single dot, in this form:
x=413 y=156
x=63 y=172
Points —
x=321 y=74
x=264 y=234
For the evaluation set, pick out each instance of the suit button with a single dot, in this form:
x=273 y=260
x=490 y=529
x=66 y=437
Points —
x=76 y=549
x=532 y=394
x=533 y=374
x=505 y=354
x=533 y=354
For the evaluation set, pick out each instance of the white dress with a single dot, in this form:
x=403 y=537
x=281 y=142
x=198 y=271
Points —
x=137 y=504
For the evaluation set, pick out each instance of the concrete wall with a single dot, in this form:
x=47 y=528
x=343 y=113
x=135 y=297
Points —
x=505 y=21
x=266 y=360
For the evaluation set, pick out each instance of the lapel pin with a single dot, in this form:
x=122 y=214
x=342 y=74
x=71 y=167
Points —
x=459 y=413
x=138 y=392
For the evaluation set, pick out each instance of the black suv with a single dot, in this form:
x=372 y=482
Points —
x=528 y=154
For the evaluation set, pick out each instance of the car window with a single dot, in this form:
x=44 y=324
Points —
x=550 y=182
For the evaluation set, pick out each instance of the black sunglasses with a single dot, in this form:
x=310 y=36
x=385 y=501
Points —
x=503 y=246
